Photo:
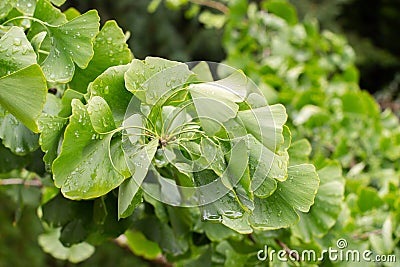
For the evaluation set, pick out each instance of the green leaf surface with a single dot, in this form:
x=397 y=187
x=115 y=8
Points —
x=19 y=139
x=26 y=7
x=51 y=244
x=215 y=102
x=265 y=124
x=51 y=128
x=100 y=115
x=283 y=10
x=58 y=2
x=66 y=100
x=46 y=12
x=71 y=13
x=327 y=205
x=84 y=169
x=110 y=49
x=23 y=94
x=16 y=51
x=110 y=85
x=154 y=77
x=138 y=164
x=5 y=7
x=70 y=42
x=301 y=186
x=299 y=152
x=141 y=246
x=273 y=212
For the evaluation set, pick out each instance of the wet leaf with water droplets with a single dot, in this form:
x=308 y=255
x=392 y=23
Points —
x=84 y=169
x=100 y=115
x=19 y=139
x=51 y=128
x=17 y=52
x=23 y=94
x=65 y=50
x=154 y=77
x=127 y=196
x=327 y=204
x=102 y=60
x=118 y=97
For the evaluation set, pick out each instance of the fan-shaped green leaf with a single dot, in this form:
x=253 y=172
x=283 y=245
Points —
x=84 y=168
x=110 y=85
x=70 y=42
x=327 y=205
x=76 y=253
x=139 y=164
x=141 y=246
x=51 y=128
x=110 y=49
x=23 y=94
x=100 y=115
x=16 y=51
x=152 y=78
x=5 y=7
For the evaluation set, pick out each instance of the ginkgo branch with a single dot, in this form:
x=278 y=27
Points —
x=213 y=4
x=19 y=181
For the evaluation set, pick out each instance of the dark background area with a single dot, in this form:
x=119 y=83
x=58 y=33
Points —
x=371 y=26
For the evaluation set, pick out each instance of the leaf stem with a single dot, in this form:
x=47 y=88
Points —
x=288 y=250
x=19 y=181
x=44 y=24
x=213 y=4
x=175 y=116
x=182 y=126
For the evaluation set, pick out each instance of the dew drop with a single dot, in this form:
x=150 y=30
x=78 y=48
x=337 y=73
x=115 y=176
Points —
x=106 y=90
x=232 y=214
x=17 y=41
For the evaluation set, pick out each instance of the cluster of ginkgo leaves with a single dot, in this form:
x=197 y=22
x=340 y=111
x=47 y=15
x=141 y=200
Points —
x=123 y=135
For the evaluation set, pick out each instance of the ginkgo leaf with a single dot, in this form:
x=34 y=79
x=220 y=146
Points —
x=216 y=102
x=16 y=52
x=15 y=136
x=23 y=94
x=100 y=115
x=139 y=164
x=325 y=211
x=110 y=85
x=5 y=7
x=70 y=42
x=265 y=124
x=26 y=7
x=84 y=168
x=110 y=49
x=76 y=253
x=51 y=131
x=152 y=78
